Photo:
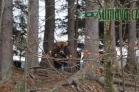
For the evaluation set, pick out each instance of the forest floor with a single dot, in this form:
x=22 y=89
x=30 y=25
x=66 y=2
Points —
x=48 y=80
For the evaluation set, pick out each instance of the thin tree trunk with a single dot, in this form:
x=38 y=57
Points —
x=113 y=41
x=6 y=52
x=71 y=27
x=1 y=8
x=121 y=58
x=72 y=33
x=76 y=30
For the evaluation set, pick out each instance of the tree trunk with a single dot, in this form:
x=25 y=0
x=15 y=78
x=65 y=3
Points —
x=6 y=53
x=71 y=34
x=49 y=30
x=76 y=29
x=131 y=62
x=91 y=47
x=33 y=33
x=113 y=41
x=71 y=27
x=108 y=47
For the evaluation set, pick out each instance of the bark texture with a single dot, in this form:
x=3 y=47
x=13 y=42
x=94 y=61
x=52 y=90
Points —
x=71 y=27
x=6 y=52
x=131 y=62
x=33 y=33
x=91 y=40
x=109 y=49
x=49 y=30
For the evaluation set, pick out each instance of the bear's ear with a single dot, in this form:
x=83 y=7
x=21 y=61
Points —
x=65 y=43
x=58 y=44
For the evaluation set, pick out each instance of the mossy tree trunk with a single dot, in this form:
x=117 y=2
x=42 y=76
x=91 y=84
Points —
x=108 y=75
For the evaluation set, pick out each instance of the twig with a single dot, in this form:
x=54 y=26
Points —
x=33 y=83
x=119 y=3
x=130 y=2
x=78 y=88
x=99 y=3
